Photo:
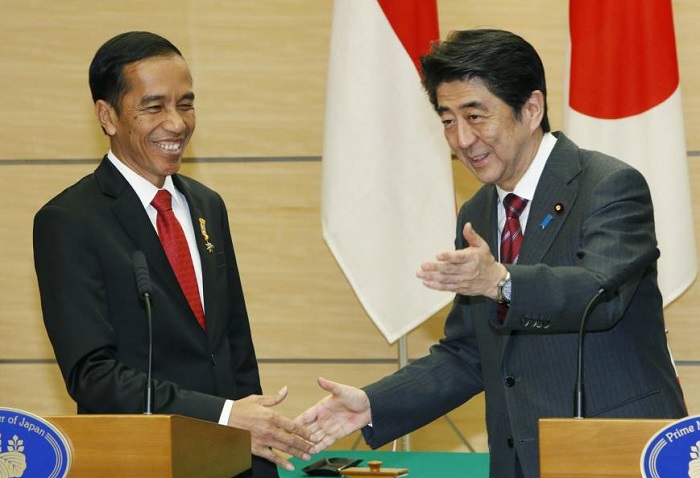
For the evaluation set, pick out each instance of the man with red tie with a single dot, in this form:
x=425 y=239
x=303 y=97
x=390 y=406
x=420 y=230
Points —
x=552 y=226
x=204 y=363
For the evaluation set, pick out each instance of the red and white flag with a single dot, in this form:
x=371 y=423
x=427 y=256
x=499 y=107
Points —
x=624 y=99
x=387 y=194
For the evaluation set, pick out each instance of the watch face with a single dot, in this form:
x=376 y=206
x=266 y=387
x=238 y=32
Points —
x=507 y=290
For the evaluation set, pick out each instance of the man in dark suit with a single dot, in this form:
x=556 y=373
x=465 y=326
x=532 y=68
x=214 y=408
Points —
x=585 y=222
x=84 y=241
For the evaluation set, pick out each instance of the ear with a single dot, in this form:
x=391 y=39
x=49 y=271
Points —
x=107 y=117
x=533 y=110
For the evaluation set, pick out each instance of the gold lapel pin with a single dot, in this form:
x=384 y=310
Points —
x=203 y=228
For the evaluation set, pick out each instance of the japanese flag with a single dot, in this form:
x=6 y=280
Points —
x=624 y=99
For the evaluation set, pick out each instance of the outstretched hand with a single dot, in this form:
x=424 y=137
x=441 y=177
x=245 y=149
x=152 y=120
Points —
x=270 y=430
x=470 y=271
x=344 y=411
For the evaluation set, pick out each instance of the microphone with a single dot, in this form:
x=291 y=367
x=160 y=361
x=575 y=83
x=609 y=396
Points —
x=143 y=284
x=607 y=290
x=143 y=278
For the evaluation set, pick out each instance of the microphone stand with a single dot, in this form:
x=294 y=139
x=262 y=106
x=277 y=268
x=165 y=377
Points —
x=633 y=268
x=149 y=383
x=578 y=392
x=143 y=283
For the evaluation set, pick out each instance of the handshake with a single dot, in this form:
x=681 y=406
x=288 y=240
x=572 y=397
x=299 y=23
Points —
x=342 y=412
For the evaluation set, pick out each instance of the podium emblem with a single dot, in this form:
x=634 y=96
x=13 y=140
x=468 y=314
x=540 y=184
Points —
x=31 y=447
x=674 y=451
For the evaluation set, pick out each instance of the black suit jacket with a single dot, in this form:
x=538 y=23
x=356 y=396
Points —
x=84 y=240
x=527 y=365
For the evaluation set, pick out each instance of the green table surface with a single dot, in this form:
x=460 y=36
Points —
x=419 y=464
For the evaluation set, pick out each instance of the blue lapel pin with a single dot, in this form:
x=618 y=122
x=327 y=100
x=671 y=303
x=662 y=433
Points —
x=545 y=221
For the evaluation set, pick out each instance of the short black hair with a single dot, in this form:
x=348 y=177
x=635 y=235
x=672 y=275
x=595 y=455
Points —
x=107 y=80
x=508 y=66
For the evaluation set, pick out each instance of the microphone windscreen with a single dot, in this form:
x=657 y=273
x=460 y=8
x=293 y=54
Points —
x=143 y=278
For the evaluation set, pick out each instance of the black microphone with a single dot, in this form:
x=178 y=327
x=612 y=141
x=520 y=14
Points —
x=143 y=284
x=608 y=288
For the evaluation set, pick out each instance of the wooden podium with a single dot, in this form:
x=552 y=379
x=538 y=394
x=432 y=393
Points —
x=156 y=446
x=595 y=448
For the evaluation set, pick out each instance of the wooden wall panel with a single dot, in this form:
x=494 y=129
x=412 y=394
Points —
x=686 y=15
x=46 y=49
x=35 y=387
x=260 y=76
x=690 y=381
x=259 y=67
x=23 y=190
x=682 y=314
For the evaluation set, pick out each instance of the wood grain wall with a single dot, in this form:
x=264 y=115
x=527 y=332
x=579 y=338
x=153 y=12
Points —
x=259 y=68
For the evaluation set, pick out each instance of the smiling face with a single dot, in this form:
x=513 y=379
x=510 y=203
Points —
x=485 y=134
x=156 y=117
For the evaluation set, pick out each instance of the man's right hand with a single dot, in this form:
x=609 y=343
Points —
x=270 y=430
x=344 y=411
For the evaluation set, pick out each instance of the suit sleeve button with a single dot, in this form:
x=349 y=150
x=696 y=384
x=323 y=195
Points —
x=509 y=381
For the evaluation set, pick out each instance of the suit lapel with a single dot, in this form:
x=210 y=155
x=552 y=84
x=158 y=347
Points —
x=130 y=213
x=199 y=213
x=485 y=219
x=555 y=194
x=133 y=218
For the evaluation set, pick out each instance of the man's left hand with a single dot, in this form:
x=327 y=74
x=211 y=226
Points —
x=470 y=271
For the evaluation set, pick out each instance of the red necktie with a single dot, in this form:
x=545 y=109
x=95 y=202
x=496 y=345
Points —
x=511 y=237
x=175 y=245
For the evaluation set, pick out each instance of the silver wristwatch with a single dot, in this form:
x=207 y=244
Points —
x=504 y=289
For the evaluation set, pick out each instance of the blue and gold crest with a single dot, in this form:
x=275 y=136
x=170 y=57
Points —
x=674 y=451
x=31 y=447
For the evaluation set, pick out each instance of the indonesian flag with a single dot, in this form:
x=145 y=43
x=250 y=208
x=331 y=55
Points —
x=387 y=195
x=625 y=100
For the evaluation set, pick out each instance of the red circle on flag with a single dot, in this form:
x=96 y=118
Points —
x=623 y=56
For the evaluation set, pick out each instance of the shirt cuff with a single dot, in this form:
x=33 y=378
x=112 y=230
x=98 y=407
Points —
x=226 y=412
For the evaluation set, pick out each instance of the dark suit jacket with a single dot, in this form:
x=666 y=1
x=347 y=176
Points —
x=527 y=365
x=84 y=239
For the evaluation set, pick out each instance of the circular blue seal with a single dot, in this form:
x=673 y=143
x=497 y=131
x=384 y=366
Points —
x=31 y=447
x=674 y=451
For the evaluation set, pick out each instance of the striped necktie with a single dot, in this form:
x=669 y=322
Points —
x=511 y=237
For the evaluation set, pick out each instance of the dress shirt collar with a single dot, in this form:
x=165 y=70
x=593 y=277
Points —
x=145 y=190
x=528 y=183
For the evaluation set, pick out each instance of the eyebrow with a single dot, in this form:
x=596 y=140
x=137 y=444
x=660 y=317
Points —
x=150 y=98
x=471 y=104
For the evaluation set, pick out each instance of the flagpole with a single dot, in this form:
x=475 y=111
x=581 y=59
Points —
x=403 y=361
